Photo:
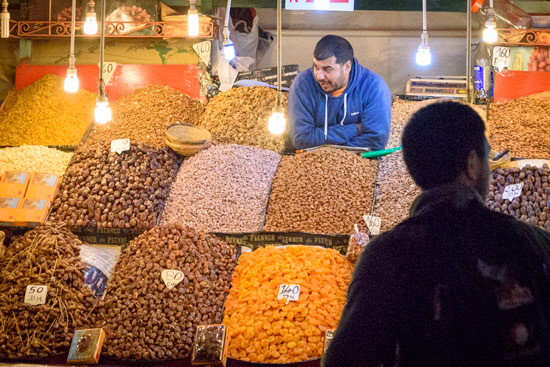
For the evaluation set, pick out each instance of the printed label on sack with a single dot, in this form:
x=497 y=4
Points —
x=512 y=191
x=120 y=145
x=171 y=277
x=289 y=291
x=373 y=223
x=36 y=294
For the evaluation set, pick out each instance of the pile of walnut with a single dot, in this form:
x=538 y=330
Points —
x=323 y=191
x=144 y=320
x=47 y=255
x=110 y=190
x=533 y=206
x=522 y=126
x=143 y=115
x=395 y=191
x=240 y=116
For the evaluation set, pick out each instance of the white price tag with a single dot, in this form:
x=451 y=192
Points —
x=203 y=50
x=120 y=145
x=171 y=277
x=501 y=57
x=373 y=223
x=108 y=71
x=36 y=294
x=289 y=291
x=512 y=191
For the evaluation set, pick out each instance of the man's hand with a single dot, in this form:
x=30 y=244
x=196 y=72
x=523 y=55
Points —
x=358 y=129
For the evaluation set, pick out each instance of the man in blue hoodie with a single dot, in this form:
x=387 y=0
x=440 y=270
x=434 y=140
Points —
x=338 y=101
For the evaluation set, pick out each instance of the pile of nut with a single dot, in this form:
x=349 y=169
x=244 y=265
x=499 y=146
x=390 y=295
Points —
x=110 y=190
x=533 y=205
x=264 y=328
x=223 y=189
x=395 y=191
x=323 y=191
x=34 y=158
x=521 y=125
x=48 y=255
x=143 y=318
x=143 y=115
x=240 y=116
x=44 y=114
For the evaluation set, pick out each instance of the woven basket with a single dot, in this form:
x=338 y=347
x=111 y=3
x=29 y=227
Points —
x=187 y=134
x=187 y=150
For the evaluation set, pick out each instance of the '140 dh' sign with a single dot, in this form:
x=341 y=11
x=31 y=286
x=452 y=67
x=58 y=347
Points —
x=340 y=5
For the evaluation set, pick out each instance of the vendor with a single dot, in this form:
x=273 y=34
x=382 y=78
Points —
x=338 y=101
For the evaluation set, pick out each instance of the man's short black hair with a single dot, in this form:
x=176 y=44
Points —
x=336 y=46
x=438 y=139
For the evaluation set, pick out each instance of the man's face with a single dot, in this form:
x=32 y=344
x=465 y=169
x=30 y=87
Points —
x=330 y=75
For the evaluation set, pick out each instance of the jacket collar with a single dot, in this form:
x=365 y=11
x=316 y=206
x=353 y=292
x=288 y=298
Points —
x=452 y=196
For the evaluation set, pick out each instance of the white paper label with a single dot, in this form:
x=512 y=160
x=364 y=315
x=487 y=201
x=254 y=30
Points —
x=512 y=191
x=337 y=5
x=108 y=71
x=501 y=57
x=373 y=223
x=171 y=277
x=120 y=145
x=36 y=294
x=203 y=50
x=289 y=291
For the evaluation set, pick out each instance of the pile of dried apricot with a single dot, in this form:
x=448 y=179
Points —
x=263 y=328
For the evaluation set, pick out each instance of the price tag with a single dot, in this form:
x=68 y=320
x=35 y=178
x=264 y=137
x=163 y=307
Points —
x=501 y=57
x=171 y=277
x=36 y=294
x=512 y=191
x=203 y=50
x=120 y=145
x=108 y=71
x=289 y=291
x=373 y=223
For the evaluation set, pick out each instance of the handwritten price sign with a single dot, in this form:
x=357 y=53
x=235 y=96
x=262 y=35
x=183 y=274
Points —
x=171 y=278
x=512 y=191
x=36 y=294
x=120 y=145
x=289 y=291
x=373 y=223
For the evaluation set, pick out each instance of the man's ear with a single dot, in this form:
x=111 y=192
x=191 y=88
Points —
x=347 y=66
x=474 y=168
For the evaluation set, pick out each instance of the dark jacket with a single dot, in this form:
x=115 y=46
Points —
x=317 y=118
x=454 y=285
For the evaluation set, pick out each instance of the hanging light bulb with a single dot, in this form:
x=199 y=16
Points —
x=5 y=20
x=102 y=111
x=192 y=20
x=423 y=54
x=490 y=34
x=277 y=122
x=228 y=46
x=90 y=25
x=71 y=81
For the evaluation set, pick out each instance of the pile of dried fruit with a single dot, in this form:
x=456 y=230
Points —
x=223 y=189
x=143 y=115
x=34 y=158
x=111 y=190
x=539 y=60
x=395 y=191
x=533 y=205
x=522 y=126
x=44 y=114
x=323 y=191
x=264 y=328
x=240 y=116
x=143 y=318
x=45 y=256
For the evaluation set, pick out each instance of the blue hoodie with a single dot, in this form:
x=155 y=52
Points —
x=317 y=118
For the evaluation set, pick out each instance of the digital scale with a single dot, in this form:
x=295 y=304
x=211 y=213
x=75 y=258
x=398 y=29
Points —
x=421 y=87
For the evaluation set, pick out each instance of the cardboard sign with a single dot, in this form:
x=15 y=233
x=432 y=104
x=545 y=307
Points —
x=289 y=291
x=171 y=277
x=203 y=50
x=373 y=223
x=120 y=145
x=512 y=191
x=36 y=294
